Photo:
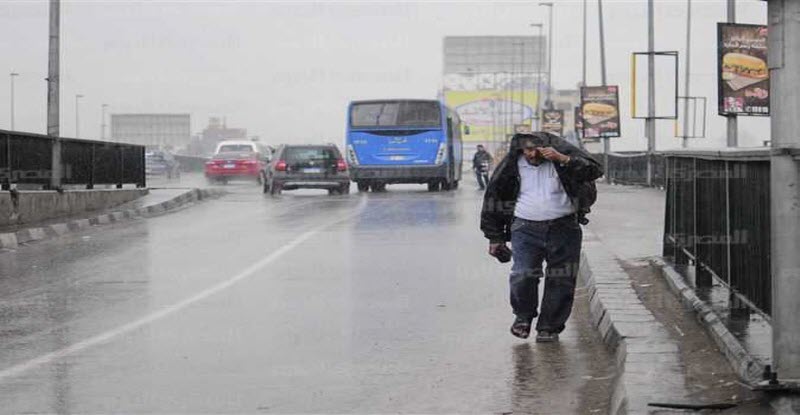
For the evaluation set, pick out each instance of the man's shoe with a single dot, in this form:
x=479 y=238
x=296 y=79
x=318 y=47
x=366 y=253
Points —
x=546 y=337
x=521 y=327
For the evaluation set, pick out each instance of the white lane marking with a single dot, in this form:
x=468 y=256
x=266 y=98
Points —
x=171 y=309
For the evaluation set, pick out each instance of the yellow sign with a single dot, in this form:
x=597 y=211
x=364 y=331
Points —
x=490 y=114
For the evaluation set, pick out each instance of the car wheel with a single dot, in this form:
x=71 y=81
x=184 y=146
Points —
x=362 y=187
x=345 y=189
x=379 y=187
x=445 y=185
x=433 y=187
x=332 y=192
x=455 y=185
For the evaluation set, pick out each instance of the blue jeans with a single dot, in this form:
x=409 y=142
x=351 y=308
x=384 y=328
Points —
x=483 y=178
x=558 y=243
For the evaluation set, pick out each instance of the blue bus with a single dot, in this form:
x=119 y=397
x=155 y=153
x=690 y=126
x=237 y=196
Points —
x=403 y=141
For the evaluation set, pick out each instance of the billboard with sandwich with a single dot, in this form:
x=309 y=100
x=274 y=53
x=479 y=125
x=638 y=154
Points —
x=600 y=111
x=553 y=122
x=742 y=69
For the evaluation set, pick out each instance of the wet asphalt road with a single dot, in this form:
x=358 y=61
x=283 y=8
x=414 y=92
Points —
x=301 y=303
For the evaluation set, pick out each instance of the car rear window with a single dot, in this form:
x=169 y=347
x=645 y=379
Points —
x=237 y=155
x=300 y=154
x=230 y=148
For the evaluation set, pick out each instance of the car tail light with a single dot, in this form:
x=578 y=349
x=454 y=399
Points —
x=280 y=166
x=341 y=165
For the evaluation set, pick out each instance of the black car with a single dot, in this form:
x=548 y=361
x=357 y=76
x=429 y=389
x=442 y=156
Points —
x=307 y=167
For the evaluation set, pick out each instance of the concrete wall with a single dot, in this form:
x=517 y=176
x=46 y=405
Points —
x=26 y=207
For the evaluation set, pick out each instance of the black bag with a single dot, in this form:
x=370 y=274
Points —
x=503 y=254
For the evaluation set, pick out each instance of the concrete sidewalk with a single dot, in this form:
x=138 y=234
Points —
x=664 y=354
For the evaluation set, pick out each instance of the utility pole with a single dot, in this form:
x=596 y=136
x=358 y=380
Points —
x=606 y=142
x=688 y=75
x=539 y=60
x=12 y=75
x=784 y=59
x=548 y=103
x=103 y=121
x=53 y=86
x=650 y=122
x=583 y=77
x=733 y=130
x=77 y=116
x=521 y=49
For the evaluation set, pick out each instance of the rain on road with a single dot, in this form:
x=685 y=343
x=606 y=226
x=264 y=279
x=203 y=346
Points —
x=380 y=302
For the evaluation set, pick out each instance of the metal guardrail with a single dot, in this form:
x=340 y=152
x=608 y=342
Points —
x=630 y=168
x=717 y=218
x=191 y=163
x=26 y=158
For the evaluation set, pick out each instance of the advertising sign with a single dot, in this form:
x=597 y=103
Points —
x=600 y=111
x=553 y=122
x=743 y=74
x=489 y=113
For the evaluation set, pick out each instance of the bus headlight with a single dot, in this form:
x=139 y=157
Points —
x=351 y=155
x=441 y=154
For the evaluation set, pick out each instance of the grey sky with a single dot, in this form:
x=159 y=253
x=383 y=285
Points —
x=285 y=71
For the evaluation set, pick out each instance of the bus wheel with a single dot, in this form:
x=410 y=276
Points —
x=433 y=187
x=379 y=187
x=446 y=186
x=362 y=187
x=454 y=186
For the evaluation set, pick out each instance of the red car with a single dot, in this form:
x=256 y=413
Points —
x=235 y=165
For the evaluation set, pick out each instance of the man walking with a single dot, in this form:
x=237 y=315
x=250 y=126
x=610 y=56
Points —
x=537 y=199
x=480 y=163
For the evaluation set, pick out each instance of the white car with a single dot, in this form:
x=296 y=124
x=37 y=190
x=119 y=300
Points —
x=243 y=146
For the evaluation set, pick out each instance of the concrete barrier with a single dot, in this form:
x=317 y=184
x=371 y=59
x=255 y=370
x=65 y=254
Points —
x=23 y=207
x=12 y=240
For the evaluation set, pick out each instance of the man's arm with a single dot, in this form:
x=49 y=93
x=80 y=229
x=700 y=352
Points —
x=583 y=167
x=578 y=163
x=493 y=213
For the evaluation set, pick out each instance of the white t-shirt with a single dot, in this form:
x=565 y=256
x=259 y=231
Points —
x=541 y=194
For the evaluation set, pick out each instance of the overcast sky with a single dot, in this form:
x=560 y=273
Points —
x=286 y=70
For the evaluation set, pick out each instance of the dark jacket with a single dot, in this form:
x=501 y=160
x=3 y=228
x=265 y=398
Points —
x=500 y=199
x=479 y=158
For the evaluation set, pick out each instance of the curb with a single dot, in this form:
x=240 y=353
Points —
x=12 y=240
x=748 y=367
x=645 y=353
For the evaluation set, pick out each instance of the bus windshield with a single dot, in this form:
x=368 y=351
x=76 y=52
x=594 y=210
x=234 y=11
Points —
x=396 y=114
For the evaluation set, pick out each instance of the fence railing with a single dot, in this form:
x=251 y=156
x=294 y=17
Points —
x=717 y=218
x=27 y=159
x=191 y=163
x=630 y=168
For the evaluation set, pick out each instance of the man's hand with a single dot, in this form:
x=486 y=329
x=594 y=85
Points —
x=553 y=155
x=493 y=248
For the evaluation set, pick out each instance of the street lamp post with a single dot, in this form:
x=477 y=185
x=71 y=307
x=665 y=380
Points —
x=77 y=116
x=548 y=103
x=103 y=121
x=538 y=76
x=12 y=75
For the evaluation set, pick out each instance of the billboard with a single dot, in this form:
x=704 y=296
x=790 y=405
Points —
x=156 y=130
x=487 y=112
x=553 y=122
x=600 y=111
x=742 y=70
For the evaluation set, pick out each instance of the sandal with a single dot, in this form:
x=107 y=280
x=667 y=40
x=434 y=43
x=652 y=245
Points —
x=521 y=328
